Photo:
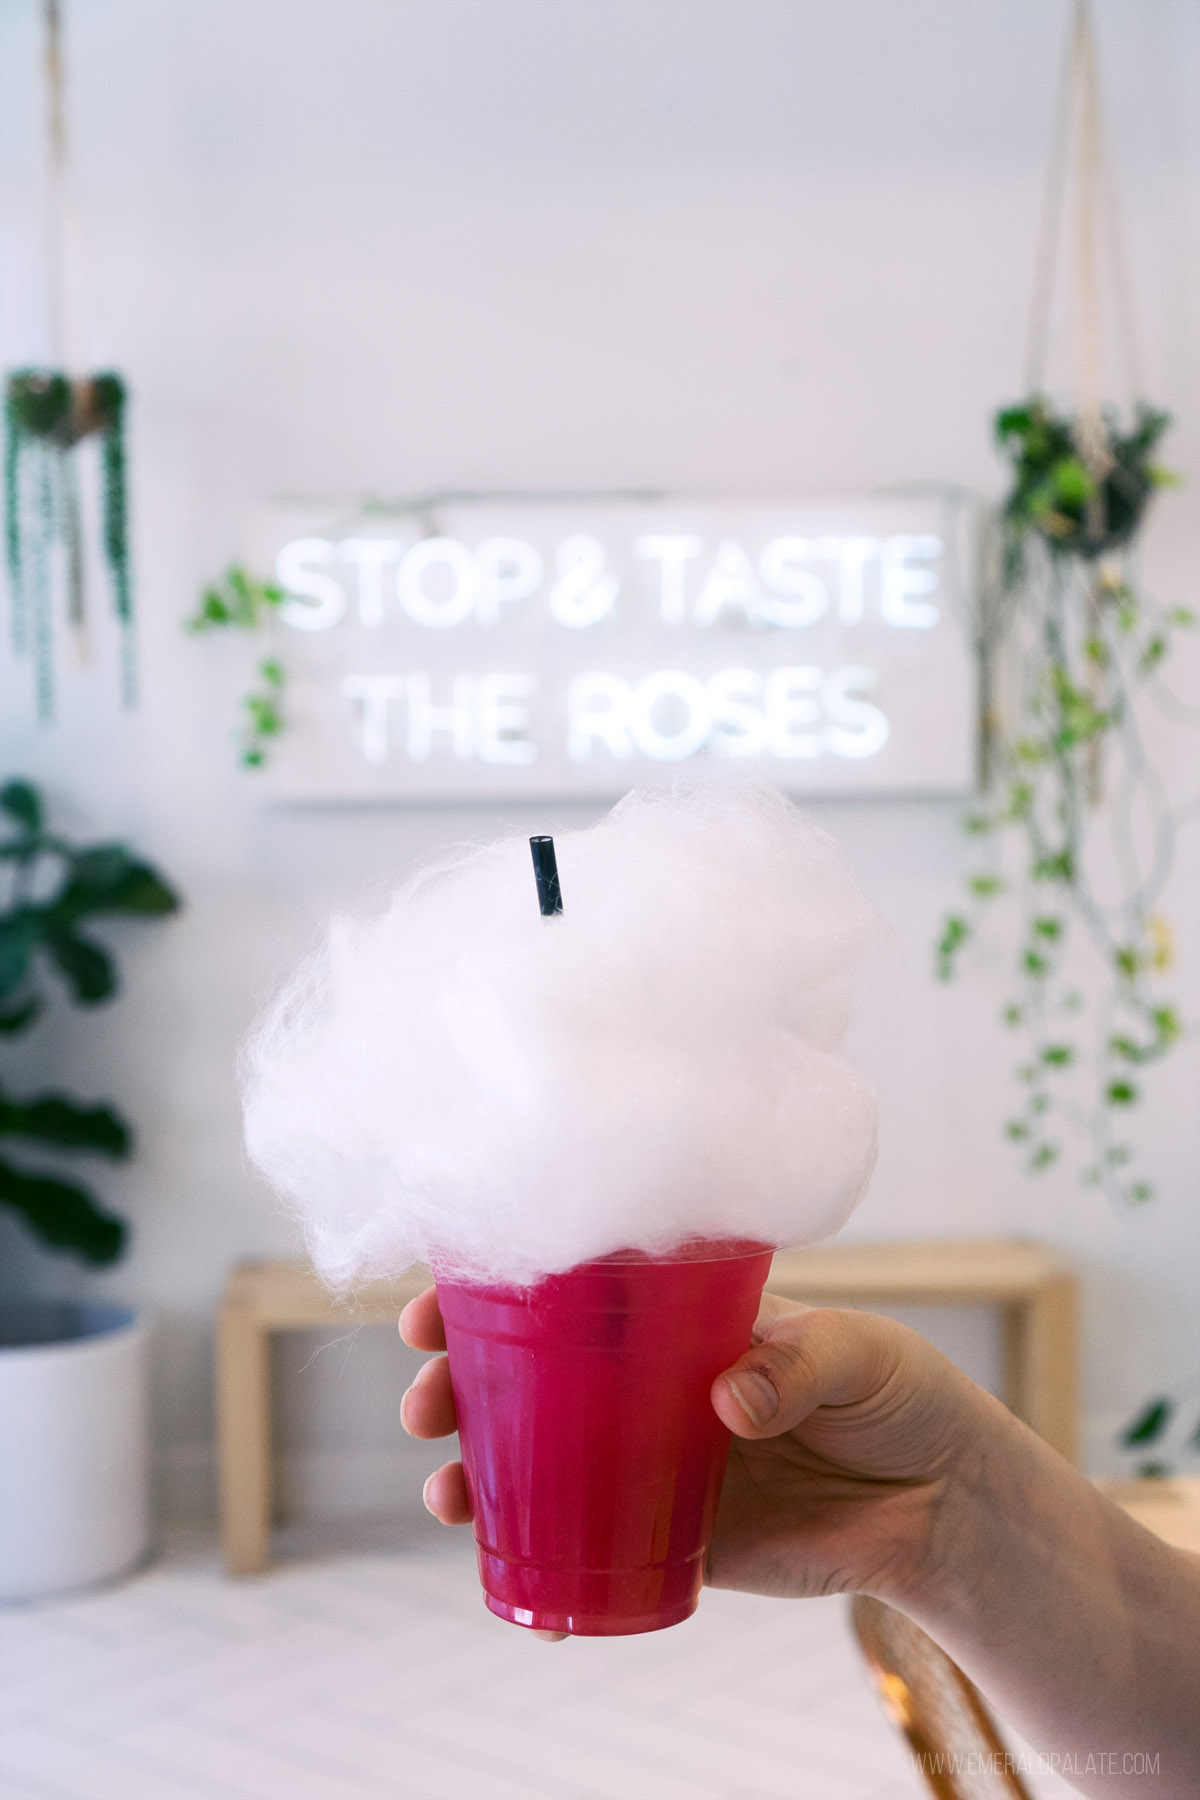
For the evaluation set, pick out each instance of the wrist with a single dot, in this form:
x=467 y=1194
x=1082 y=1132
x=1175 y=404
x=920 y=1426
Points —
x=971 y=1508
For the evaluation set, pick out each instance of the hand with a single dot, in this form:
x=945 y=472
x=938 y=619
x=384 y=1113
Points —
x=862 y=1460
x=427 y=1408
x=848 y=1429
x=427 y=1411
x=852 y=1439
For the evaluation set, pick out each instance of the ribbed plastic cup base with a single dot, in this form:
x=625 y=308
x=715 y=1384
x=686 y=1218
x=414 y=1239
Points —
x=590 y=1602
x=589 y=1625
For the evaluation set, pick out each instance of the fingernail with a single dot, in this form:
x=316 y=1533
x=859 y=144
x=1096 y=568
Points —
x=425 y=1494
x=754 y=1394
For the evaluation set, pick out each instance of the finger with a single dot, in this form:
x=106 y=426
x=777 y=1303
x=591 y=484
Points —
x=427 y=1408
x=551 y=1637
x=445 y=1495
x=805 y=1360
x=772 y=1308
x=421 y=1322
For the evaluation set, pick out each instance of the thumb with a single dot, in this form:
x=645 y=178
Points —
x=806 y=1360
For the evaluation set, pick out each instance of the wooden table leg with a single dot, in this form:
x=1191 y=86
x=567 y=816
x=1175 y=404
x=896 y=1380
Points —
x=1041 y=1363
x=244 y=1439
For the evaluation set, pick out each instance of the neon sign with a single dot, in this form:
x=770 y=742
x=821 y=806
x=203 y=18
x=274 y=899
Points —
x=568 y=649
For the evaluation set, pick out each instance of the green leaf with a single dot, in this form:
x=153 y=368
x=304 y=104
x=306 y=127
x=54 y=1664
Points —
x=265 y=717
x=1120 y=1093
x=108 y=879
x=1127 y=961
x=985 y=887
x=1153 y=654
x=55 y=1119
x=20 y=932
x=1059 y=867
x=238 y=601
x=1181 y=616
x=1167 y=1023
x=1117 y=1155
x=1072 y=483
x=87 y=970
x=1140 y=1192
x=1048 y=927
x=955 y=932
x=1148 y=1425
x=210 y=614
x=16 y=1018
x=1013 y=421
x=1058 y=1056
x=1013 y=1014
x=272 y=671
x=1017 y=1130
x=62 y=1214
x=1042 y=1157
x=22 y=802
x=1034 y=964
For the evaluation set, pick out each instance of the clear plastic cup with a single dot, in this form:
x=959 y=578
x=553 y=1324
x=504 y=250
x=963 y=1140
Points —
x=592 y=1453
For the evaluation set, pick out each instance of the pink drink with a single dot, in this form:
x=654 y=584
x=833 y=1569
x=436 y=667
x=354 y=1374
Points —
x=593 y=1456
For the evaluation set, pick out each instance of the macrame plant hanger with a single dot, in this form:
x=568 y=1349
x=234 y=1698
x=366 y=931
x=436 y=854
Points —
x=48 y=413
x=1080 y=213
x=1079 y=147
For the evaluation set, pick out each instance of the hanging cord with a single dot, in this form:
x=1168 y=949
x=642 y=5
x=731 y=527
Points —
x=1078 y=127
x=56 y=162
x=1050 y=227
x=1090 y=434
x=1122 y=278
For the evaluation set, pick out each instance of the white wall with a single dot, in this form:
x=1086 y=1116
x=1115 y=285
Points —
x=358 y=246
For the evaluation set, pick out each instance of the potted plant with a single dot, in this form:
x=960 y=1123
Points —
x=74 y=1499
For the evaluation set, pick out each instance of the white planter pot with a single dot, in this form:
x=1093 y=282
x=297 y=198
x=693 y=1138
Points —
x=74 y=1464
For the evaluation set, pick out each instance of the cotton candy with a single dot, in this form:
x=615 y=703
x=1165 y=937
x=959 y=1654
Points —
x=463 y=1082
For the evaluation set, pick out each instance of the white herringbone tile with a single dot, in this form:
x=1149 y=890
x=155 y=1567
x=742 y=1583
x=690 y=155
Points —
x=85 y=1769
x=413 y=1770
x=382 y=1677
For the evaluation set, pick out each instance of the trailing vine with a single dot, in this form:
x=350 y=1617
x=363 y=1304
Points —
x=239 y=602
x=1068 y=643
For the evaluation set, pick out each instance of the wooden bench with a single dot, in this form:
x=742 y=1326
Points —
x=1034 y=1291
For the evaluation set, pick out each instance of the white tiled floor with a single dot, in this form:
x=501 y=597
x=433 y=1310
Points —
x=378 y=1675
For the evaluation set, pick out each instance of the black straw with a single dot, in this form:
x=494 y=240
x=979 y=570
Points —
x=545 y=873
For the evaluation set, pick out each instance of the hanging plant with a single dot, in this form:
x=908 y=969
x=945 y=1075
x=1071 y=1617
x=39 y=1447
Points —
x=1064 y=618
x=47 y=415
x=1057 y=495
x=1074 y=823
x=239 y=602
